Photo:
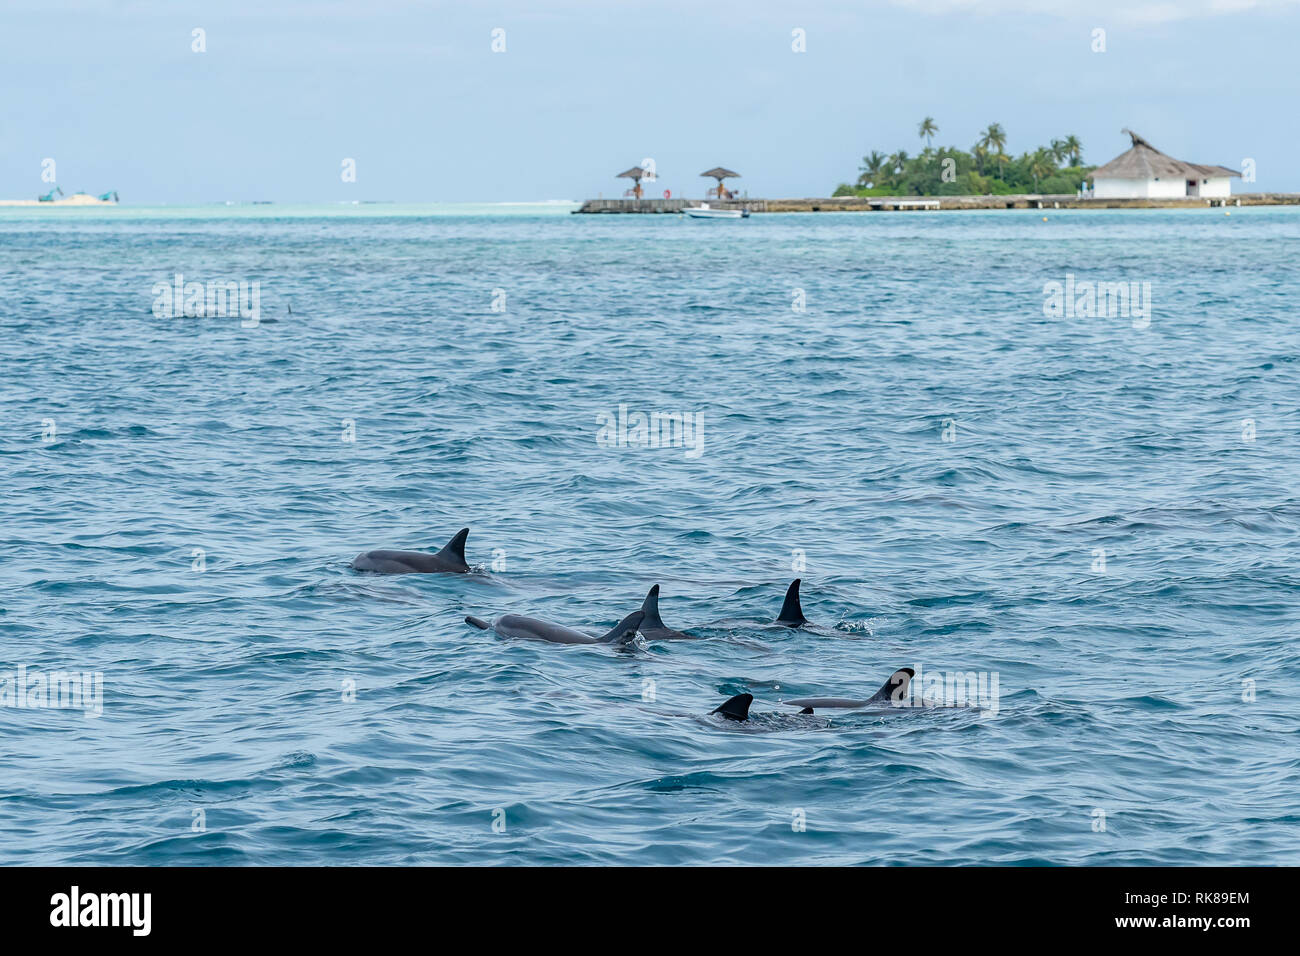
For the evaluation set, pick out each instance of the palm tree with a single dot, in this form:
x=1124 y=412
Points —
x=995 y=138
x=1040 y=165
x=1058 y=150
x=992 y=142
x=981 y=151
x=1075 y=150
x=1002 y=159
x=927 y=129
x=871 y=167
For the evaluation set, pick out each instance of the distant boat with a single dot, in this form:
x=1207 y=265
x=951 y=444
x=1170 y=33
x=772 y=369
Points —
x=702 y=211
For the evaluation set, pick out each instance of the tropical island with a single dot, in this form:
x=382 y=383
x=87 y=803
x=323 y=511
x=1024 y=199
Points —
x=985 y=170
x=985 y=177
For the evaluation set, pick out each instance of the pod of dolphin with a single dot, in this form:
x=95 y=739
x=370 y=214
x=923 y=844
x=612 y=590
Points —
x=646 y=622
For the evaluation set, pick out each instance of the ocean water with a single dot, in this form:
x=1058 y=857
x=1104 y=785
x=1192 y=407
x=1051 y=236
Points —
x=1099 y=512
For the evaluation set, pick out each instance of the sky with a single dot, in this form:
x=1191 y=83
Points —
x=413 y=93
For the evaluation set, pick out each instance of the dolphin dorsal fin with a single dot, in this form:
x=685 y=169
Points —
x=651 y=608
x=624 y=630
x=455 y=548
x=896 y=688
x=737 y=708
x=791 y=613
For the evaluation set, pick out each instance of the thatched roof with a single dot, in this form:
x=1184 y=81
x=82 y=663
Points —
x=636 y=172
x=1144 y=161
x=721 y=172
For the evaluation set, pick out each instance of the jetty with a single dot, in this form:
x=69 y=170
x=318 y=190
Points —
x=666 y=205
x=936 y=203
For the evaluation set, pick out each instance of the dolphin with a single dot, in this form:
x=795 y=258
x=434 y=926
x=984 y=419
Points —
x=894 y=691
x=735 y=708
x=653 y=628
x=531 y=628
x=791 y=613
x=451 y=559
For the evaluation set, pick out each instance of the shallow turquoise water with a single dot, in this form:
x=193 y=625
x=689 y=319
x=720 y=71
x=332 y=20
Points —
x=823 y=432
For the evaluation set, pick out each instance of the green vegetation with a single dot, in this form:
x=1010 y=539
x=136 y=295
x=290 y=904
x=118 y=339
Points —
x=985 y=170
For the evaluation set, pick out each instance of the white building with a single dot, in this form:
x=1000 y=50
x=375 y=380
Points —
x=1146 y=173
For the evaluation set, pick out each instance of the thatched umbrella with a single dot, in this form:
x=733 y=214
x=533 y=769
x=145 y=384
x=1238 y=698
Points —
x=720 y=173
x=635 y=173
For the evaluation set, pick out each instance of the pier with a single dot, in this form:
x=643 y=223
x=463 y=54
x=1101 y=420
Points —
x=667 y=205
x=933 y=203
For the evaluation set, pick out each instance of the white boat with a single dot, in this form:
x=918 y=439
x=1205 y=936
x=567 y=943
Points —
x=702 y=211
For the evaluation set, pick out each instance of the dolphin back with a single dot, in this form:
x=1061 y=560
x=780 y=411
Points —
x=651 y=609
x=791 y=612
x=810 y=704
x=736 y=708
x=894 y=689
x=624 y=630
x=453 y=552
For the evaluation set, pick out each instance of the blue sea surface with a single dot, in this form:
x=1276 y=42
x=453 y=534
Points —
x=1103 y=517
